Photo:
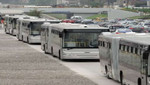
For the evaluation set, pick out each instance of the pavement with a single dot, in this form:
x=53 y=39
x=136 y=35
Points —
x=22 y=65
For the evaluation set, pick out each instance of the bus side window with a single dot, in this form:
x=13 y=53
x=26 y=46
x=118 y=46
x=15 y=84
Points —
x=103 y=44
x=124 y=47
x=100 y=43
x=140 y=51
x=106 y=45
x=136 y=50
x=120 y=46
x=131 y=49
x=127 y=48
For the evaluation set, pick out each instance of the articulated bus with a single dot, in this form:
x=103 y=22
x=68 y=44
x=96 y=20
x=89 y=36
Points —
x=126 y=58
x=71 y=41
x=31 y=29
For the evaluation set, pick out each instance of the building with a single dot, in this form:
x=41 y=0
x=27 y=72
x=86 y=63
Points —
x=148 y=3
x=125 y=2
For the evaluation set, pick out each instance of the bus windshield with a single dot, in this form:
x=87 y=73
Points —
x=35 y=28
x=81 y=40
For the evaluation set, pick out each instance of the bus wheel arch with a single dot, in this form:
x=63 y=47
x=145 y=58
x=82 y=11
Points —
x=139 y=82
x=121 y=77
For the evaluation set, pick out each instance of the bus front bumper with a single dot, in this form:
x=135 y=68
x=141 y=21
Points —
x=35 y=39
x=80 y=55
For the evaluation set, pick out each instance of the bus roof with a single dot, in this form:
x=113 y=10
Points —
x=18 y=16
x=40 y=20
x=141 y=38
x=63 y=26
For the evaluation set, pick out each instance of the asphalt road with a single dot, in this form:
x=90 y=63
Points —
x=22 y=65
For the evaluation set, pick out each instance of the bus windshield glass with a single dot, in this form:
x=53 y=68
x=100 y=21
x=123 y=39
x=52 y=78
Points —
x=83 y=39
x=35 y=28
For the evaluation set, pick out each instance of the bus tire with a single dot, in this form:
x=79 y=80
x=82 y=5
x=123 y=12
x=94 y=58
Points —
x=28 y=40
x=121 y=77
x=106 y=71
x=44 y=46
x=22 y=38
x=5 y=30
x=139 y=81
x=18 y=37
x=52 y=51
x=60 y=57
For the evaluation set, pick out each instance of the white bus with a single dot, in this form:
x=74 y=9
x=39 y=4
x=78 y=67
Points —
x=44 y=35
x=31 y=29
x=19 y=26
x=13 y=28
x=125 y=58
x=72 y=41
x=10 y=23
x=7 y=23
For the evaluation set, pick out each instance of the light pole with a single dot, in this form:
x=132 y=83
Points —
x=127 y=3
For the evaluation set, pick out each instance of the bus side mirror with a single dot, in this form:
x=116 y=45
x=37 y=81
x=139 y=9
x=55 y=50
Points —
x=60 y=35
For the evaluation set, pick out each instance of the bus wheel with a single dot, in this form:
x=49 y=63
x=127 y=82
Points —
x=139 y=81
x=121 y=77
x=44 y=46
x=28 y=40
x=5 y=30
x=60 y=57
x=22 y=38
x=52 y=51
x=18 y=37
x=106 y=71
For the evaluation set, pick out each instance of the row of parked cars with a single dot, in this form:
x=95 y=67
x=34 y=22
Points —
x=139 y=26
x=115 y=25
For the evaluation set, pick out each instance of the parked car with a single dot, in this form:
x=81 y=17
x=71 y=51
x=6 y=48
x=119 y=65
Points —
x=103 y=24
x=138 y=29
x=77 y=19
x=68 y=21
x=113 y=28
x=125 y=30
x=87 y=21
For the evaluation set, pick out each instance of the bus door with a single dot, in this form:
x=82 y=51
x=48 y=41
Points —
x=114 y=58
x=148 y=71
x=46 y=38
x=18 y=28
x=145 y=71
